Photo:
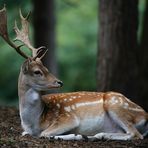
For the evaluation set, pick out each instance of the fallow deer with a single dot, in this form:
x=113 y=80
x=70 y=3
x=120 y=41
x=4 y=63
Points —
x=68 y=116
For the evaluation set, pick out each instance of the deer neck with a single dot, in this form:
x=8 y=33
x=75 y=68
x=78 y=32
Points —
x=28 y=96
x=30 y=106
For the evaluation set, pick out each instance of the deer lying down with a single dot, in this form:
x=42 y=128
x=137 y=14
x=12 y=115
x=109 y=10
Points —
x=69 y=116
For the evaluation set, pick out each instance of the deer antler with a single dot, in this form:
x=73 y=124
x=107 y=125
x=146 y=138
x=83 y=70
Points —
x=4 y=32
x=22 y=35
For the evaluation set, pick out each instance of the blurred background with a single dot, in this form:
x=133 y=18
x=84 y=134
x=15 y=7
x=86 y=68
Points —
x=69 y=33
x=97 y=45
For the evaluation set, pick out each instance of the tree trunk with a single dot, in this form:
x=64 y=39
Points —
x=143 y=56
x=117 y=52
x=44 y=30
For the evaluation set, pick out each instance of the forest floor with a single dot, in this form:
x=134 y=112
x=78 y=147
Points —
x=10 y=136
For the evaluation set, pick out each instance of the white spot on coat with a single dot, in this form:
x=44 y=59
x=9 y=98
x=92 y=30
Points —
x=89 y=103
x=73 y=107
x=125 y=105
x=68 y=109
x=58 y=105
x=74 y=97
x=65 y=99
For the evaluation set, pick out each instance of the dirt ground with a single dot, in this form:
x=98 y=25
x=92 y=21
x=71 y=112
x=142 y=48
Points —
x=10 y=136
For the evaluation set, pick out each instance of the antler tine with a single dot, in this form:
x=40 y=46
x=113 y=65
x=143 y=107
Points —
x=4 y=32
x=45 y=51
x=41 y=53
x=23 y=36
x=23 y=33
x=22 y=17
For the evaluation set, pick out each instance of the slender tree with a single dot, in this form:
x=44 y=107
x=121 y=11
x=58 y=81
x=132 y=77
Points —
x=44 y=30
x=118 y=60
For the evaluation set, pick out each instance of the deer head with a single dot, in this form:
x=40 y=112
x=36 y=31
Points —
x=33 y=73
x=37 y=76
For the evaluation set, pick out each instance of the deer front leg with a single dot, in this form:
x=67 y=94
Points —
x=64 y=123
x=69 y=137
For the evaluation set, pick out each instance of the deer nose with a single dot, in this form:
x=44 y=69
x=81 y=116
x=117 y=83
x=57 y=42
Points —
x=60 y=83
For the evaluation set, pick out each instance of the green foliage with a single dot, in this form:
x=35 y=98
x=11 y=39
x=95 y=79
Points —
x=141 y=8
x=76 y=36
x=77 y=43
x=76 y=46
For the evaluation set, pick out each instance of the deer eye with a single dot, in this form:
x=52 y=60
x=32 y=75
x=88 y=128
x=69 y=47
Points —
x=37 y=72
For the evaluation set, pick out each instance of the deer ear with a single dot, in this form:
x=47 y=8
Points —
x=25 y=66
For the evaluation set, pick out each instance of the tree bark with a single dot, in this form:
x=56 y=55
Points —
x=143 y=60
x=44 y=30
x=117 y=52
